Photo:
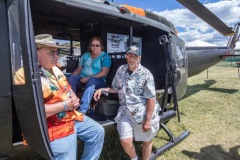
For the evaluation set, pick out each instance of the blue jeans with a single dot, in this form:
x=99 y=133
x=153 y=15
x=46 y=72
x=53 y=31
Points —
x=89 y=131
x=91 y=85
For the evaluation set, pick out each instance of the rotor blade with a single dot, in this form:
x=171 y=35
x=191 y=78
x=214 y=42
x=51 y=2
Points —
x=202 y=12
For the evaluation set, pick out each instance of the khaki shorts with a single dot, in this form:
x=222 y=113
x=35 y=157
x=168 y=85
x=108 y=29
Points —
x=127 y=129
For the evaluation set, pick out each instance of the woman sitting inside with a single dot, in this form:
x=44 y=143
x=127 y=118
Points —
x=91 y=72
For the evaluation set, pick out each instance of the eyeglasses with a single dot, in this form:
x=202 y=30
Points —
x=53 y=52
x=131 y=56
x=95 y=45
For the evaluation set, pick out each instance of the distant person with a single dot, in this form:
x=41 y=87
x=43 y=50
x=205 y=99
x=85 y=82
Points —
x=137 y=116
x=64 y=122
x=92 y=71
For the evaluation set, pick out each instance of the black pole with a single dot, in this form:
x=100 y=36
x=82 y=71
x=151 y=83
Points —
x=71 y=43
x=207 y=73
x=131 y=35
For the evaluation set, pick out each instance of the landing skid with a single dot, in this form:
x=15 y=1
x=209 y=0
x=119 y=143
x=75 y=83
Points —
x=108 y=123
x=172 y=142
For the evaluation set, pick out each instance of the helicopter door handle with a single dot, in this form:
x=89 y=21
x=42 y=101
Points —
x=8 y=94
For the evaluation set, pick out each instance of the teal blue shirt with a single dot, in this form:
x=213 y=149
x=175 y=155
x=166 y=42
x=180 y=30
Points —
x=93 y=66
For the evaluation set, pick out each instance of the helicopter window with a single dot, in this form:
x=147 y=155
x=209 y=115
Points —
x=68 y=58
x=119 y=42
x=180 y=56
x=179 y=52
x=15 y=43
x=117 y=45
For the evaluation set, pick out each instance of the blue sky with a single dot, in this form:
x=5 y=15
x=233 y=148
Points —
x=157 y=5
x=189 y=26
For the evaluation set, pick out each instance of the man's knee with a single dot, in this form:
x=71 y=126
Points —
x=100 y=130
x=146 y=144
x=96 y=128
x=127 y=141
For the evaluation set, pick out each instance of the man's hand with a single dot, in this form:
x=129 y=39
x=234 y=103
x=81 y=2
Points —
x=72 y=103
x=75 y=101
x=146 y=126
x=97 y=94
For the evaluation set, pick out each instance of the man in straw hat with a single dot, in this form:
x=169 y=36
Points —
x=64 y=122
x=138 y=112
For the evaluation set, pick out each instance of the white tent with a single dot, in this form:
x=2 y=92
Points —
x=237 y=45
x=199 y=43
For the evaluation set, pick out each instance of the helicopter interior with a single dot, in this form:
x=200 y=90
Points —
x=83 y=24
x=60 y=21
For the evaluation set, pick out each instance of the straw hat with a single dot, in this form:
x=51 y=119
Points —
x=45 y=40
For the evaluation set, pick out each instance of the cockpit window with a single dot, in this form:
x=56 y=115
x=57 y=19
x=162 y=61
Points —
x=180 y=53
x=180 y=56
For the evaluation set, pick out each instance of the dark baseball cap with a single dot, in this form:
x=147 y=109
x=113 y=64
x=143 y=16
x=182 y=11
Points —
x=134 y=49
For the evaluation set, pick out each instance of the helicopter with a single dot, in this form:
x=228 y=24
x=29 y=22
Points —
x=162 y=52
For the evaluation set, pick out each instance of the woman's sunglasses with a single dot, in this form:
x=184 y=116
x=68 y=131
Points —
x=95 y=45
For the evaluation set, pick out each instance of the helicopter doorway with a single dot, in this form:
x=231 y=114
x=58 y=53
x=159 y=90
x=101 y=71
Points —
x=27 y=91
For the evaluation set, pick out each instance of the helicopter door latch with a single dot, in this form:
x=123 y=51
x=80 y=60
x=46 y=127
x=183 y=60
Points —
x=7 y=94
x=34 y=80
x=164 y=39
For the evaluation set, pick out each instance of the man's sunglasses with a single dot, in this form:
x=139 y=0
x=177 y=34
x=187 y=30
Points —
x=95 y=45
x=53 y=52
x=131 y=56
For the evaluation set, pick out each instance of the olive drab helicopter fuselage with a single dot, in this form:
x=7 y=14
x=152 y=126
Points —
x=162 y=51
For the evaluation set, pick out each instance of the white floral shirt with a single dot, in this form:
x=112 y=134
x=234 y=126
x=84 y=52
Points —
x=133 y=92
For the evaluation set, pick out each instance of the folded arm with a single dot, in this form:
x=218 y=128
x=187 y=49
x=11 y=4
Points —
x=70 y=104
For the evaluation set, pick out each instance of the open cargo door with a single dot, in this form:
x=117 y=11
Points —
x=27 y=94
x=5 y=86
x=180 y=57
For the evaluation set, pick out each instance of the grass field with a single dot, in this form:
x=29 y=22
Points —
x=210 y=110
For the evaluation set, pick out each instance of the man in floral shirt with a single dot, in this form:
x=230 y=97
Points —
x=138 y=112
x=65 y=124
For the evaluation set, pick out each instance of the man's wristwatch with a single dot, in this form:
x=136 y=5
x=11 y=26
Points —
x=65 y=106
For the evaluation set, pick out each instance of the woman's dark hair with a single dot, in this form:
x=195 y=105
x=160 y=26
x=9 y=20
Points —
x=95 y=39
